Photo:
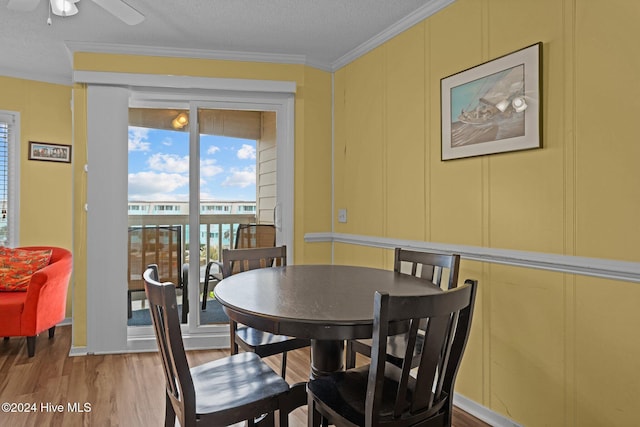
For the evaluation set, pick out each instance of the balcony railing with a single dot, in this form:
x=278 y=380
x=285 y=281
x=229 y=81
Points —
x=216 y=232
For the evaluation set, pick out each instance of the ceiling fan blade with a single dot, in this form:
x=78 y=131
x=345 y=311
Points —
x=22 y=5
x=121 y=10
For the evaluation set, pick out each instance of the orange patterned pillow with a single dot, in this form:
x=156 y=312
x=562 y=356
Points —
x=18 y=265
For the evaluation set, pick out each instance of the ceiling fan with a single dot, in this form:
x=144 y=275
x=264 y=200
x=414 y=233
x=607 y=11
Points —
x=118 y=8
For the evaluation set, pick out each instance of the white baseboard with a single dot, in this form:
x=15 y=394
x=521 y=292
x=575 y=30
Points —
x=482 y=413
x=65 y=322
x=78 y=351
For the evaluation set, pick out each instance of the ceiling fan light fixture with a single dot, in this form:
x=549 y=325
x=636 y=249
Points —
x=64 y=7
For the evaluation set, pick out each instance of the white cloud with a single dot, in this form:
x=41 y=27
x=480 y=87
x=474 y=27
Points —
x=207 y=196
x=138 y=139
x=241 y=178
x=213 y=149
x=155 y=186
x=171 y=163
x=247 y=152
x=209 y=168
x=160 y=197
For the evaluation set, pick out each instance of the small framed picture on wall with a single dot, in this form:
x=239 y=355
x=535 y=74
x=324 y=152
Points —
x=47 y=152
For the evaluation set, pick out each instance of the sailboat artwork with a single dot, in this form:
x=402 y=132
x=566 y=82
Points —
x=493 y=107
x=489 y=109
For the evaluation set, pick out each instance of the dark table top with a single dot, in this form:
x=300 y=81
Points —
x=325 y=302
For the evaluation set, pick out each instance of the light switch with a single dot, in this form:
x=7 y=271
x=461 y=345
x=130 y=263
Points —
x=342 y=215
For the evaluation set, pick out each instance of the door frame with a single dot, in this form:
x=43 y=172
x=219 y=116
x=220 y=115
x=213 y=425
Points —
x=109 y=95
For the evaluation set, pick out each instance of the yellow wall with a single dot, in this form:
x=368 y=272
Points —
x=45 y=187
x=546 y=348
x=312 y=145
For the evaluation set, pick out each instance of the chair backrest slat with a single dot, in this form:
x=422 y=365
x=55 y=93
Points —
x=401 y=394
x=249 y=236
x=255 y=236
x=424 y=389
x=238 y=260
x=444 y=360
x=432 y=266
x=434 y=341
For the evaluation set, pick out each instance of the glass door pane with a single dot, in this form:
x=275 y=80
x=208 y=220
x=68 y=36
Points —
x=158 y=209
x=228 y=144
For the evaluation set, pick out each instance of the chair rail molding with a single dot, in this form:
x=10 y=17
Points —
x=595 y=267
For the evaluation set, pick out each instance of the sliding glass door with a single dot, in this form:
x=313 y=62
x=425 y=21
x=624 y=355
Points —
x=182 y=228
x=168 y=180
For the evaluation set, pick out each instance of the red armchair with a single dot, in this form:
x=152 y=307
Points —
x=43 y=305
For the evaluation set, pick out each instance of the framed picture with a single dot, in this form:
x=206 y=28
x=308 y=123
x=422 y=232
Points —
x=493 y=107
x=49 y=152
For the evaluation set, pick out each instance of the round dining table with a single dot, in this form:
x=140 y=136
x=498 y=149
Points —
x=325 y=303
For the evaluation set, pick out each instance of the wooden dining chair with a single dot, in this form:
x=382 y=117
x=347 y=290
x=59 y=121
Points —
x=386 y=394
x=433 y=267
x=264 y=344
x=222 y=392
x=247 y=236
x=161 y=246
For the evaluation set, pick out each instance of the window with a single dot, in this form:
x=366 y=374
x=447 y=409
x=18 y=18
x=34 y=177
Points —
x=9 y=163
x=162 y=208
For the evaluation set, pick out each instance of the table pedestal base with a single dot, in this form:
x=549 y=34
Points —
x=327 y=356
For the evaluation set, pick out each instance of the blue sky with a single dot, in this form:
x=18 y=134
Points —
x=159 y=166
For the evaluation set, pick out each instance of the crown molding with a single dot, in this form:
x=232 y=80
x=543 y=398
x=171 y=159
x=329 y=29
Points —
x=407 y=22
x=404 y=24
x=127 y=49
x=182 y=82
x=38 y=76
x=124 y=49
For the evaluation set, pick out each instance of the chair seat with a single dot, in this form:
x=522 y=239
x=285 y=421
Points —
x=344 y=393
x=13 y=301
x=266 y=344
x=229 y=383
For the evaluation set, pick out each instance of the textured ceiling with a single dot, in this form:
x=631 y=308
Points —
x=321 y=33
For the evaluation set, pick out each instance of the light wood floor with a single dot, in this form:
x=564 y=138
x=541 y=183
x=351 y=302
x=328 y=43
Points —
x=107 y=390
